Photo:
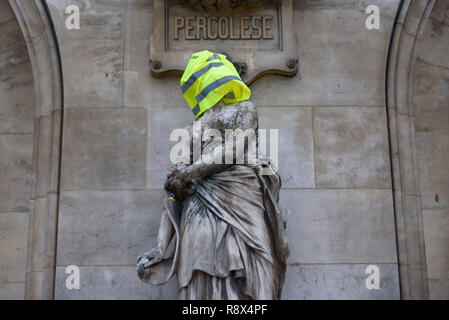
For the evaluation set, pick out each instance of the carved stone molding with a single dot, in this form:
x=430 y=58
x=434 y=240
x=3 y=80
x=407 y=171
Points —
x=42 y=231
x=410 y=21
x=257 y=36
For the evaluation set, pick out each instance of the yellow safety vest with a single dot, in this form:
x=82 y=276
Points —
x=209 y=78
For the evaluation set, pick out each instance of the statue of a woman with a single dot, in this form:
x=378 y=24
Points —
x=222 y=233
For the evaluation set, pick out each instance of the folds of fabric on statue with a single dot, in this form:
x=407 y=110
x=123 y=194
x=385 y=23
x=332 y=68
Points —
x=161 y=272
x=223 y=231
x=231 y=228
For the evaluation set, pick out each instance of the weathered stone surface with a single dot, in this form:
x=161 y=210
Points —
x=351 y=147
x=433 y=43
x=17 y=111
x=41 y=249
x=415 y=16
x=440 y=11
x=323 y=4
x=438 y=290
x=340 y=226
x=402 y=74
x=43 y=158
x=16 y=81
x=436 y=226
x=431 y=97
x=387 y=8
x=142 y=89
x=296 y=158
x=168 y=291
x=92 y=57
x=13 y=240
x=39 y=284
x=433 y=155
x=101 y=283
x=417 y=279
x=104 y=148
x=15 y=172
x=12 y=291
x=36 y=252
x=161 y=122
x=340 y=62
x=6 y=13
x=430 y=104
x=339 y=282
x=394 y=149
x=107 y=227
x=415 y=236
x=407 y=156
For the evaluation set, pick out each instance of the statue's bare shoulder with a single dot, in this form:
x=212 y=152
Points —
x=248 y=114
x=240 y=115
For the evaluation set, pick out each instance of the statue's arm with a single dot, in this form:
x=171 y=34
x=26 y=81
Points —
x=165 y=233
x=166 y=228
x=157 y=253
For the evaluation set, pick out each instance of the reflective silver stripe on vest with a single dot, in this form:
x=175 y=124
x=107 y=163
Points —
x=214 y=57
x=198 y=74
x=196 y=109
x=214 y=85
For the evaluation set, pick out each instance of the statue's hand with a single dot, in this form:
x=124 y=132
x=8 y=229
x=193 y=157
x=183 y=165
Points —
x=176 y=184
x=147 y=260
x=173 y=183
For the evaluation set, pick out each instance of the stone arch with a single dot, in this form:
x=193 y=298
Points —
x=430 y=107
x=410 y=21
x=37 y=29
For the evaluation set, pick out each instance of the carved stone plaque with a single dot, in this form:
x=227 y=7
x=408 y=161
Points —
x=258 y=37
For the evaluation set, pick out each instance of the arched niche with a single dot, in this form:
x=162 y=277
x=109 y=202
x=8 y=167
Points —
x=36 y=26
x=411 y=20
x=430 y=107
x=16 y=150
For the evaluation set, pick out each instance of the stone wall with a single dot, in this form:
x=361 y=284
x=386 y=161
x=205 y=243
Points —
x=334 y=156
x=431 y=109
x=338 y=155
x=16 y=148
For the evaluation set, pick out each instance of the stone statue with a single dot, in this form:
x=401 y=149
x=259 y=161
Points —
x=224 y=235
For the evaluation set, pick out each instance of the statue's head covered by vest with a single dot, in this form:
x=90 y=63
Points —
x=210 y=78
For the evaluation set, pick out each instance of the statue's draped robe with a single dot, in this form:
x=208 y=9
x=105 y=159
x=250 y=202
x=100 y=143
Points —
x=229 y=240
